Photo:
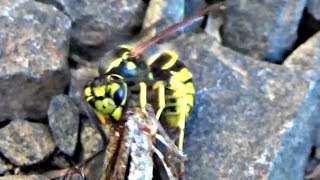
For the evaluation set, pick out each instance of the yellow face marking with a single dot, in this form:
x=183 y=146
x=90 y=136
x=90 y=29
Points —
x=131 y=65
x=117 y=113
x=87 y=91
x=105 y=106
x=172 y=60
x=99 y=91
x=89 y=98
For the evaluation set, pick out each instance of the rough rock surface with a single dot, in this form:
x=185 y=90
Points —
x=262 y=29
x=100 y=22
x=90 y=139
x=63 y=115
x=243 y=108
x=313 y=8
x=296 y=144
x=25 y=143
x=33 y=55
x=307 y=55
x=161 y=14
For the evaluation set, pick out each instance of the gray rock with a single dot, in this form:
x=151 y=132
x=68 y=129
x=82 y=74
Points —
x=100 y=22
x=90 y=139
x=293 y=155
x=313 y=8
x=161 y=14
x=243 y=109
x=33 y=55
x=24 y=177
x=63 y=115
x=262 y=29
x=307 y=55
x=25 y=143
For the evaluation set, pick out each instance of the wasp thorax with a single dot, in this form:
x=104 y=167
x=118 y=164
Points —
x=107 y=95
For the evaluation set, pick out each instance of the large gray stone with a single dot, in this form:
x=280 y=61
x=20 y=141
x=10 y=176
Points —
x=33 y=54
x=90 y=139
x=307 y=55
x=297 y=142
x=63 y=116
x=243 y=109
x=97 y=23
x=25 y=143
x=262 y=29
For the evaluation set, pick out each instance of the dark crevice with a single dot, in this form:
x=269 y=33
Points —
x=78 y=150
x=41 y=121
x=4 y=123
x=308 y=27
x=313 y=152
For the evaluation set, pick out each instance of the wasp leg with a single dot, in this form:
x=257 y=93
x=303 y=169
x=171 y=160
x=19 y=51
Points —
x=161 y=97
x=143 y=95
x=142 y=90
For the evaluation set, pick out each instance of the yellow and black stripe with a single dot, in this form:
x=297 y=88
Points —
x=131 y=77
x=175 y=91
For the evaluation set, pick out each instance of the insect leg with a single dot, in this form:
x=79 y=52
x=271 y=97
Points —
x=143 y=95
x=161 y=97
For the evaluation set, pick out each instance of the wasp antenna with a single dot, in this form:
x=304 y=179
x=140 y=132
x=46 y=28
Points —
x=136 y=51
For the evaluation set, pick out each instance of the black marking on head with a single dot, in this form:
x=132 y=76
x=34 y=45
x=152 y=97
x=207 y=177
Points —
x=172 y=100
x=92 y=102
x=172 y=109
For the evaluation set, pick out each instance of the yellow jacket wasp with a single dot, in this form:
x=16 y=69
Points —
x=129 y=76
